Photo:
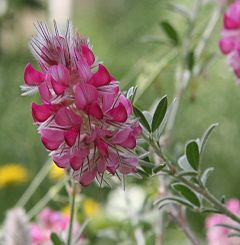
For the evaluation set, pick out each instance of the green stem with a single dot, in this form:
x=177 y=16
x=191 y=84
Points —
x=35 y=184
x=185 y=75
x=44 y=201
x=199 y=189
x=73 y=197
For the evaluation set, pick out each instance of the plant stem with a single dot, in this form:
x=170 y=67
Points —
x=182 y=223
x=199 y=189
x=43 y=202
x=185 y=76
x=210 y=198
x=35 y=184
x=73 y=197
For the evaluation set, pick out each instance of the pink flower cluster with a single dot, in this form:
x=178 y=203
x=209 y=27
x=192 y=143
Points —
x=219 y=235
x=49 y=221
x=84 y=120
x=230 y=40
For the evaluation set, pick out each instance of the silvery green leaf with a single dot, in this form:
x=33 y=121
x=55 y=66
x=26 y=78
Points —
x=184 y=164
x=170 y=32
x=205 y=175
x=142 y=118
x=148 y=116
x=159 y=113
x=173 y=199
x=165 y=119
x=206 y=135
x=186 y=193
x=55 y=239
x=192 y=154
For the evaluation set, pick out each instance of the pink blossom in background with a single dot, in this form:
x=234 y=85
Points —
x=84 y=120
x=219 y=235
x=230 y=36
x=49 y=221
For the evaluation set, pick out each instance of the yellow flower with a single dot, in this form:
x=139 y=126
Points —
x=66 y=210
x=55 y=172
x=12 y=174
x=90 y=207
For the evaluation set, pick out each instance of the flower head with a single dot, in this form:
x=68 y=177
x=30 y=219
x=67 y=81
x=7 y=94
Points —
x=49 y=221
x=219 y=235
x=84 y=120
x=12 y=174
x=230 y=40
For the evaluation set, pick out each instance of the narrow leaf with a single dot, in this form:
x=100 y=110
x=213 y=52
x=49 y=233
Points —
x=158 y=168
x=142 y=118
x=159 y=113
x=166 y=118
x=190 y=60
x=170 y=32
x=187 y=193
x=55 y=239
x=172 y=199
x=184 y=164
x=192 y=154
x=205 y=175
x=187 y=173
x=206 y=135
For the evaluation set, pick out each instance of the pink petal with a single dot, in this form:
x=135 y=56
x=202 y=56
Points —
x=121 y=136
x=78 y=159
x=102 y=147
x=32 y=77
x=88 y=177
x=137 y=130
x=41 y=113
x=127 y=104
x=70 y=136
x=101 y=77
x=130 y=166
x=45 y=93
x=85 y=94
x=88 y=55
x=95 y=111
x=60 y=74
x=125 y=169
x=52 y=138
x=125 y=138
x=108 y=101
x=83 y=68
x=112 y=162
x=57 y=87
x=229 y=22
x=62 y=161
x=232 y=16
x=130 y=142
x=67 y=118
x=227 y=44
x=118 y=114
x=101 y=165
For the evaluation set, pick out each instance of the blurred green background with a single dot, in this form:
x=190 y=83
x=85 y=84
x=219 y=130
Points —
x=117 y=30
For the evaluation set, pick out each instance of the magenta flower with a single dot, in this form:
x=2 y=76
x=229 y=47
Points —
x=230 y=40
x=49 y=221
x=219 y=235
x=84 y=120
